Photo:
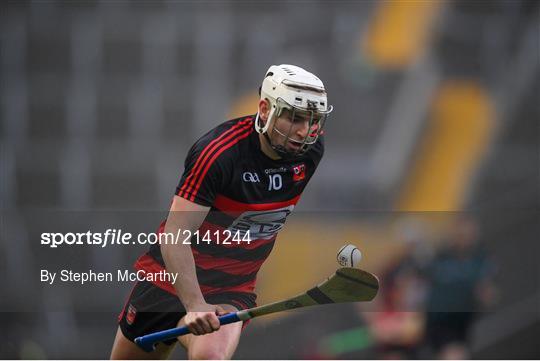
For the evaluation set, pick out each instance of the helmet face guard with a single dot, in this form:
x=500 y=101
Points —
x=287 y=119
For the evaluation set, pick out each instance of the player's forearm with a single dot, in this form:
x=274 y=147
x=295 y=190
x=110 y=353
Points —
x=179 y=260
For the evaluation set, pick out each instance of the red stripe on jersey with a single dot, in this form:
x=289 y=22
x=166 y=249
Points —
x=222 y=236
x=231 y=266
x=214 y=144
x=208 y=148
x=229 y=205
x=248 y=287
x=221 y=150
x=150 y=265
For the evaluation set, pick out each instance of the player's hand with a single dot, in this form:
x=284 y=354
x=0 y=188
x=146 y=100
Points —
x=203 y=319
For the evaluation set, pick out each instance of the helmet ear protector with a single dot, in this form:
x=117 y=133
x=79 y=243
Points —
x=295 y=95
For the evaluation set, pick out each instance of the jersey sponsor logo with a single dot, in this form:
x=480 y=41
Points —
x=250 y=177
x=131 y=313
x=275 y=170
x=261 y=224
x=299 y=172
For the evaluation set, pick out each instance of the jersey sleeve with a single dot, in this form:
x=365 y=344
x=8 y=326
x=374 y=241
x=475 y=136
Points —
x=204 y=175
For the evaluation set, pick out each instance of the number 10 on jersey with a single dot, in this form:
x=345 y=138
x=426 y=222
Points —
x=275 y=182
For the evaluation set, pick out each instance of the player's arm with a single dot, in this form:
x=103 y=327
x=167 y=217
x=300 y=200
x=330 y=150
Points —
x=185 y=215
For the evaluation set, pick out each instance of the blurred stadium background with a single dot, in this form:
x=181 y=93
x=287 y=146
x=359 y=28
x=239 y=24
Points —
x=436 y=120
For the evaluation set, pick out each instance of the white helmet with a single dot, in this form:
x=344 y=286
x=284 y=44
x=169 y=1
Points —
x=289 y=87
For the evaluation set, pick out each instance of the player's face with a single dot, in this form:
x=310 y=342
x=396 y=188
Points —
x=291 y=129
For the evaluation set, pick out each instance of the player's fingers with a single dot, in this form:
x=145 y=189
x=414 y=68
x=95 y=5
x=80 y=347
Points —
x=204 y=325
x=214 y=322
x=194 y=328
x=196 y=325
x=201 y=329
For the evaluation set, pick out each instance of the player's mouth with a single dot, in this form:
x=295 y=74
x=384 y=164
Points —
x=294 y=145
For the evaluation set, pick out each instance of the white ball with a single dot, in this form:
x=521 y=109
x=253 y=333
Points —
x=349 y=256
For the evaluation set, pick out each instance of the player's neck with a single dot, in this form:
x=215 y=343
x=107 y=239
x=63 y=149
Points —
x=267 y=149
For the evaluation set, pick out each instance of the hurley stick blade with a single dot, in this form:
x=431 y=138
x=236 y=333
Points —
x=348 y=285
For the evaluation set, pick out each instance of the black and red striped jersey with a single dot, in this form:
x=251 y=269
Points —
x=250 y=196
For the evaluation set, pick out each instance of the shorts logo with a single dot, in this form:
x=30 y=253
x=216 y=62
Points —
x=131 y=313
x=299 y=172
x=250 y=177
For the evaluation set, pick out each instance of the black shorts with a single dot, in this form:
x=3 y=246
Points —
x=151 y=309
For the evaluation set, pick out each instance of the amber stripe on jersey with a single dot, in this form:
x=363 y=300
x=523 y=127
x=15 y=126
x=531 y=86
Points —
x=211 y=147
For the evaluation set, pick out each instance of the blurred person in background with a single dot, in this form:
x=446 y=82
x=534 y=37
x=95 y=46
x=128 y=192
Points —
x=459 y=285
x=397 y=327
x=250 y=172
